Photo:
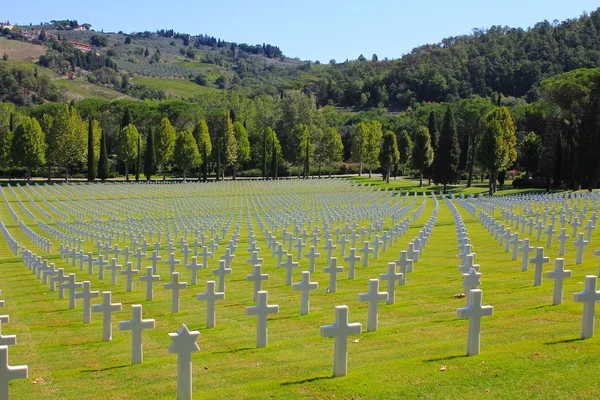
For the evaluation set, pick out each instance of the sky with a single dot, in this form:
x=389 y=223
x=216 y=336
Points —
x=309 y=29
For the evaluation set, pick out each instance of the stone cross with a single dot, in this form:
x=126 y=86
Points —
x=411 y=253
x=205 y=254
x=107 y=307
x=194 y=266
x=549 y=232
x=289 y=265
x=257 y=277
x=562 y=240
x=312 y=255
x=221 y=272
x=255 y=259
x=113 y=267
x=340 y=330
x=525 y=249
x=405 y=263
x=514 y=242
x=59 y=277
x=184 y=344
x=101 y=263
x=365 y=256
x=262 y=310
x=154 y=258
x=391 y=277
x=130 y=272
x=211 y=297
x=86 y=295
x=588 y=297
x=9 y=373
x=172 y=262
x=559 y=274
x=71 y=285
x=373 y=297
x=329 y=247
x=6 y=340
x=352 y=258
x=175 y=286
x=333 y=270
x=89 y=259
x=149 y=278
x=474 y=312
x=305 y=285
x=539 y=260
x=580 y=243
x=228 y=257
x=136 y=325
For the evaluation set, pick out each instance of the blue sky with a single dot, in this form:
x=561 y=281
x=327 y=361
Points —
x=309 y=29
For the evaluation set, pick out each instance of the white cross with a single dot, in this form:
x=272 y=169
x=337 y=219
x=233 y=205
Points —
x=138 y=256
x=221 y=272
x=71 y=285
x=411 y=253
x=474 y=312
x=343 y=241
x=365 y=256
x=257 y=277
x=186 y=251
x=262 y=310
x=194 y=266
x=559 y=274
x=254 y=259
x=149 y=278
x=6 y=340
x=377 y=242
x=211 y=296
x=580 y=243
x=289 y=265
x=514 y=242
x=280 y=252
x=539 y=260
x=305 y=285
x=59 y=277
x=113 y=268
x=130 y=272
x=562 y=238
x=405 y=263
x=391 y=277
x=107 y=307
x=588 y=297
x=352 y=258
x=525 y=249
x=312 y=256
x=87 y=296
x=329 y=246
x=589 y=228
x=101 y=263
x=9 y=373
x=341 y=329
x=373 y=297
x=471 y=280
x=154 y=258
x=184 y=344
x=171 y=262
x=175 y=286
x=89 y=259
x=228 y=257
x=549 y=232
x=333 y=270
x=136 y=325
x=299 y=246
x=205 y=255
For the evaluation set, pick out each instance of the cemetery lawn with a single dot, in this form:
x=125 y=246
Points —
x=529 y=348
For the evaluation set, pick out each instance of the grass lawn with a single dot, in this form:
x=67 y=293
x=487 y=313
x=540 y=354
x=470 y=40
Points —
x=529 y=348
x=173 y=86
x=194 y=64
x=81 y=89
x=21 y=51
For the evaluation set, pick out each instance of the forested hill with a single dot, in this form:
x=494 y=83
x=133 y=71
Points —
x=165 y=63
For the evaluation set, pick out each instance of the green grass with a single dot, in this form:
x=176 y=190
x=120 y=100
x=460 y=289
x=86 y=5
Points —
x=81 y=89
x=194 y=64
x=173 y=86
x=21 y=51
x=530 y=349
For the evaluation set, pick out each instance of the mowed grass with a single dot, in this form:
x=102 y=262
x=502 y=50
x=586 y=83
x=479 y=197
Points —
x=81 y=89
x=530 y=349
x=173 y=86
x=21 y=51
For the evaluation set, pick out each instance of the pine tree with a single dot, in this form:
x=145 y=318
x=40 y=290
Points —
x=389 y=155
x=307 y=159
x=447 y=155
x=150 y=156
x=274 y=161
x=405 y=147
x=422 y=153
x=103 y=161
x=264 y=153
x=91 y=159
x=229 y=144
x=202 y=136
x=434 y=135
x=138 y=160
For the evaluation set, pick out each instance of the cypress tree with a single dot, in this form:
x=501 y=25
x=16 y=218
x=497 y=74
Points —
x=447 y=155
x=150 y=156
x=307 y=159
x=103 y=160
x=264 y=155
x=138 y=161
x=11 y=123
x=91 y=161
x=433 y=133
x=274 y=161
x=218 y=158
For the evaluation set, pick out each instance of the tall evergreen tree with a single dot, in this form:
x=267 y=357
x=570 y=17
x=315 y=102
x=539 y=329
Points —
x=432 y=126
x=243 y=146
x=202 y=136
x=164 y=137
x=274 y=161
x=138 y=160
x=447 y=155
x=229 y=144
x=307 y=159
x=150 y=156
x=103 y=160
x=422 y=153
x=264 y=153
x=91 y=158
x=404 y=147
x=389 y=156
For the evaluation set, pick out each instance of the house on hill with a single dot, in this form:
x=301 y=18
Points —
x=81 y=46
x=5 y=25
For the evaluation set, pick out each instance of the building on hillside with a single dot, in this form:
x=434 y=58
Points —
x=79 y=28
x=5 y=25
x=81 y=46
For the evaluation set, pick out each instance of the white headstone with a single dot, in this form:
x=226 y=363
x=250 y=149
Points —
x=136 y=325
x=211 y=296
x=262 y=310
x=340 y=330
x=474 y=312
x=373 y=297
x=184 y=344
x=107 y=307
x=588 y=297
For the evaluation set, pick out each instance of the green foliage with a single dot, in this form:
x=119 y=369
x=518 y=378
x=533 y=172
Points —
x=99 y=40
x=66 y=139
x=530 y=150
x=186 y=155
x=150 y=156
x=202 y=136
x=445 y=163
x=28 y=148
x=372 y=143
x=91 y=158
x=389 y=157
x=229 y=143
x=422 y=152
x=404 y=146
x=127 y=147
x=243 y=145
x=165 y=136
x=103 y=172
x=331 y=147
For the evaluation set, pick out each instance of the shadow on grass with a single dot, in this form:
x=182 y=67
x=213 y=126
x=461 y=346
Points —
x=563 y=341
x=105 y=369
x=445 y=358
x=308 y=380
x=234 y=350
